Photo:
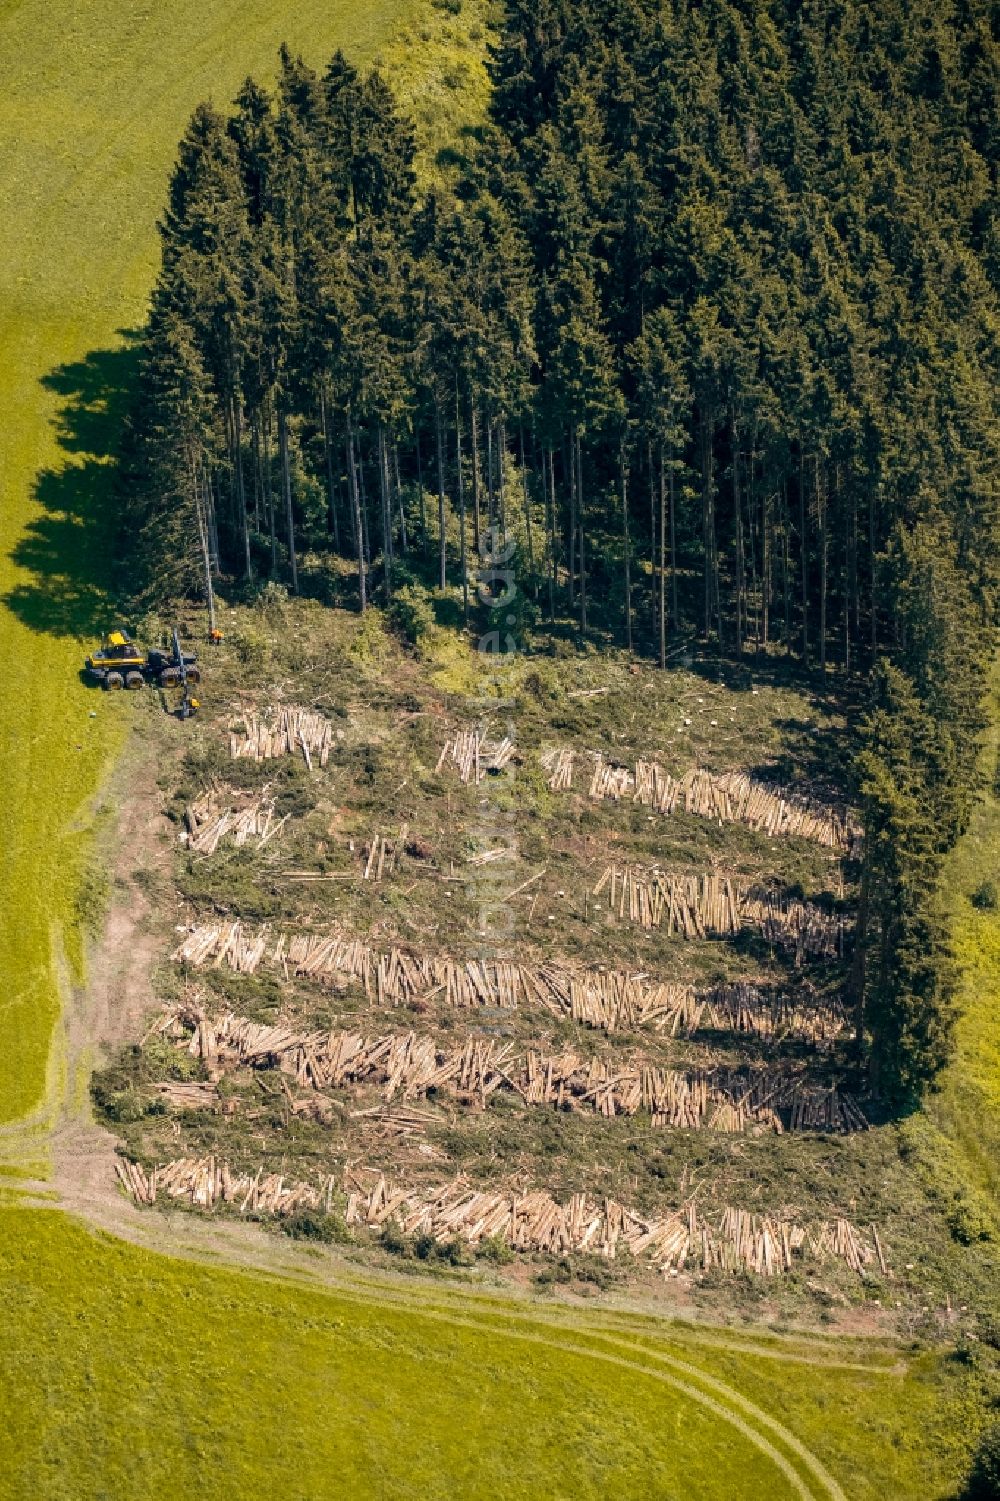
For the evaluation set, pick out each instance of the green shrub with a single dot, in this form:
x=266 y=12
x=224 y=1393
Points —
x=309 y=1224
x=162 y=1060
x=271 y=602
x=125 y=1106
x=411 y=613
x=986 y=898
x=969 y=1218
x=250 y=646
x=983 y=1483
x=393 y=1239
x=370 y=644
x=495 y=1250
x=93 y=898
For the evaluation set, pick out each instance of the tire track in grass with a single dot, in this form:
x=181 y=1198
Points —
x=769 y=1436
x=724 y=1401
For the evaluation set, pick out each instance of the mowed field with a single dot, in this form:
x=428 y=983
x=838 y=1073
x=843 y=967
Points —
x=128 y=1374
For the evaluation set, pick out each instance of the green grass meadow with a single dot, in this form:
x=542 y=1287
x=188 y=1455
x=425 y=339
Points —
x=128 y=1374
x=125 y=1374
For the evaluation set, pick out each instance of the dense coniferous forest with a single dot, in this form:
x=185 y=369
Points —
x=706 y=318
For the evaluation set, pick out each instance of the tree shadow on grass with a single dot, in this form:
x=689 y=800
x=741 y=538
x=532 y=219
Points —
x=72 y=549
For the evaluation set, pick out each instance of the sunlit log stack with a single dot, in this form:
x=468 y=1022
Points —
x=611 y=1000
x=224 y=813
x=728 y=797
x=407 y=1065
x=282 y=732
x=474 y=756
x=558 y=766
x=696 y=905
x=732 y=1240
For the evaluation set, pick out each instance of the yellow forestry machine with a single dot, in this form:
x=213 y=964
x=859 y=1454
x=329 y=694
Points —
x=121 y=664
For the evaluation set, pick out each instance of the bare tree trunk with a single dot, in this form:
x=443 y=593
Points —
x=582 y=533
x=258 y=482
x=476 y=481
x=241 y=498
x=550 y=516
x=286 y=476
x=199 y=495
x=623 y=470
x=501 y=477
x=652 y=498
x=738 y=519
x=571 y=472
x=786 y=566
x=766 y=563
x=707 y=518
x=804 y=554
x=269 y=490
x=423 y=501
x=850 y=571
x=754 y=594
x=489 y=472
x=461 y=504
x=443 y=551
x=824 y=557
x=331 y=484
x=527 y=510
x=363 y=492
x=385 y=498
x=873 y=601
x=399 y=499
x=352 y=476
x=662 y=612
x=675 y=606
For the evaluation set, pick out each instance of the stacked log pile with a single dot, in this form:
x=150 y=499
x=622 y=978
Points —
x=290 y=730
x=729 y=797
x=223 y=813
x=409 y=1065
x=753 y=1012
x=558 y=766
x=684 y=1239
x=474 y=756
x=697 y=905
x=381 y=855
x=610 y=1000
x=193 y=1096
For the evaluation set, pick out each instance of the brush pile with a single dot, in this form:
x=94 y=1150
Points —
x=611 y=1000
x=728 y=797
x=683 y=1239
x=224 y=813
x=473 y=756
x=407 y=1065
x=282 y=733
x=697 y=905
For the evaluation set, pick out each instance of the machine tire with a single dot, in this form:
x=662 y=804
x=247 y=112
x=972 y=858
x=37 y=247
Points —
x=134 y=680
x=168 y=677
x=193 y=675
x=114 y=680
